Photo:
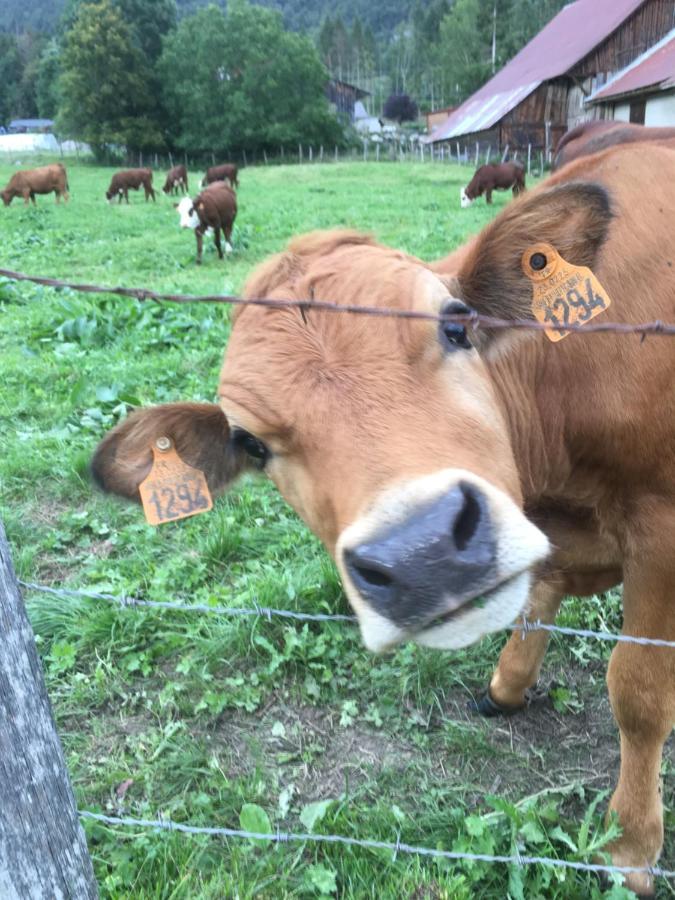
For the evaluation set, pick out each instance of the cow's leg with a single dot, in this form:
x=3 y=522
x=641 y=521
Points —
x=641 y=681
x=520 y=660
x=227 y=231
x=200 y=244
x=488 y=195
x=216 y=238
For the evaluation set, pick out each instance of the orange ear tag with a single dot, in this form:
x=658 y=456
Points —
x=562 y=294
x=173 y=490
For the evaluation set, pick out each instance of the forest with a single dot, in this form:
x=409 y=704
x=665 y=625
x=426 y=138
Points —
x=267 y=62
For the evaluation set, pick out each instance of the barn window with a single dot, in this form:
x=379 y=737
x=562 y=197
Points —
x=637 y=111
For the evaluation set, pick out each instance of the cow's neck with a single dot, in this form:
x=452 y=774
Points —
x=535 y=421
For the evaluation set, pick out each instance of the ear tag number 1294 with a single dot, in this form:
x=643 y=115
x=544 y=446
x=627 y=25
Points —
x=173 y=489
x=562 y=294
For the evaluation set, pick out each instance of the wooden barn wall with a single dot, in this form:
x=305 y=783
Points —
x=638 y=33
x=526 y=124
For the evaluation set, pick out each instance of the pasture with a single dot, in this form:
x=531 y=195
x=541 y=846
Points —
x=200 y=717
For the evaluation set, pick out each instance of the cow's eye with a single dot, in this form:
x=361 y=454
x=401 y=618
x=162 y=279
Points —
x=453 y=334
x=251 y=446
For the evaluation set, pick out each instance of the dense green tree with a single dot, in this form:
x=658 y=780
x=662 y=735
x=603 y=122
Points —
x=150 y=21
x=49 y=69
x=105 y=95
x=241 y=82
x=10 y=77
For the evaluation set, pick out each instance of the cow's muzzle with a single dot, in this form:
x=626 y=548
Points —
x=441 y=560
x=431 y=563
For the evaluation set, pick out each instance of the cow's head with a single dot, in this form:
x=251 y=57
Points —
x=388 y=436
x=187 y=212
x=464 y=198
x=7 y=196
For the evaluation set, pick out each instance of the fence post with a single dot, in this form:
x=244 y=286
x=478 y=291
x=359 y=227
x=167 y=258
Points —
x=377 y=152
x=458 y=156
x=336 y=153
x=299 y=153
x=487 y=157
x=43 y=852
x=505 y=153
x=321 y=153
x=311 y=153
x=529 y=157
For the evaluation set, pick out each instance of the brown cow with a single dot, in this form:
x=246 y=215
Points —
x=224 y=172
x=592 y=137
x=30 y=182
x=215 y=208
x=176 y=181
x=133 y=179
x=462 y=478
x=491 y=177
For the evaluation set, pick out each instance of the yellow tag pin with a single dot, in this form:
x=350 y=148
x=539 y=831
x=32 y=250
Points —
x=173 y=490
x=562 y=294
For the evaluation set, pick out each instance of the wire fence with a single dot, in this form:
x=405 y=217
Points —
x=267 y=612
x=285 y=837
x=471 y=318
x=474 y=320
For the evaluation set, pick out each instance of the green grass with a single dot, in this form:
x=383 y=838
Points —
x=208 y=714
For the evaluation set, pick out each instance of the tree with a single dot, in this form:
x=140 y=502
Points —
x=241 y=82
x=49 y=69
x=400 y=107
x=10 y=77
x=150 y=21
x=106 y=98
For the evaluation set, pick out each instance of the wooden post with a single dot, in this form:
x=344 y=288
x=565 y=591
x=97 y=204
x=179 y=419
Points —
x=365 y=151
x=245 y=160
x=505 y=153
x=321 y=153
x=476 y=160
x=170 y=160
x=336 y=153
x=377 y=152
x=299 y=153
x=487 y=156
x=43 y=852
x=529 y=158
x=541 y=163
x=458 y=156
x=264 y=156
x=311 y=153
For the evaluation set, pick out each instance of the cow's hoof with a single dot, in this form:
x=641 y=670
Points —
x=489 y=708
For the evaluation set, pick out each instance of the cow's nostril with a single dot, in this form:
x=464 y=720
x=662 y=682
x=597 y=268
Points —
x=372 y=576
x=468 y=519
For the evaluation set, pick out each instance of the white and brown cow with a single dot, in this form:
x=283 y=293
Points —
x=215 y=209
x=460 y=478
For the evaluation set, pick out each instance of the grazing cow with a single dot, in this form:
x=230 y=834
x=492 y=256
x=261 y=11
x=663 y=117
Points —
x=225 y=172
x=461 y=478
x=176 y=181
x=491 y=177
x=592 y=137
x=214 y=208
x=30 y=182
x=130 y=179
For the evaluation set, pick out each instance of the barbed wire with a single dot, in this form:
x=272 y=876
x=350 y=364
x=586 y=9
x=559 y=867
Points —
x=285 y=837
x=267 y=612
x=472 y=318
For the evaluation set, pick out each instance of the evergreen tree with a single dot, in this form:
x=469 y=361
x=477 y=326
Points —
x=10 y=77
x=103 y=84
x=49 y=69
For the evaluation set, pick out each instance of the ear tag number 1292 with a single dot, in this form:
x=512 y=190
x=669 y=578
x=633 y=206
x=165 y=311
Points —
x=173 y=489
x=562 y=294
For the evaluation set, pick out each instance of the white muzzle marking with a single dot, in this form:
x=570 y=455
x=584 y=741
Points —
x=463 y=199
x=520 y=545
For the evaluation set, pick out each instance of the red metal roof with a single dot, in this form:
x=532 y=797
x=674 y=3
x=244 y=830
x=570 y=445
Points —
x=655 y=67
x=568 y=37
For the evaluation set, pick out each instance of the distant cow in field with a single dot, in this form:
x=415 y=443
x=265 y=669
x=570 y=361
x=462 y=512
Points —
x=592 y=137
x=176 y=181
x=130 y=179
x=30 y=182
x=464 y=478
x=498 y=176
x=215 y=208
x=225 y=172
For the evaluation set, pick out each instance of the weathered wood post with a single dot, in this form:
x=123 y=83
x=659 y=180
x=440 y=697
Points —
x=529 y=158
x=43 y=852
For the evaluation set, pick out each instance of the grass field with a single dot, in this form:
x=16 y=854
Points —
x=216 y=720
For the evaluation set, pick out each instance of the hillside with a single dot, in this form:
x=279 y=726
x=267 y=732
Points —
x=301 y=15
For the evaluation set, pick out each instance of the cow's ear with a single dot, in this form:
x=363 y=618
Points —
x=574 y=218
x=200 y=434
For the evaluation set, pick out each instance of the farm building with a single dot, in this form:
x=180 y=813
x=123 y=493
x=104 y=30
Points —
x=30 y=126
x=543 y=90
x=343 y=98
x=643 y=92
